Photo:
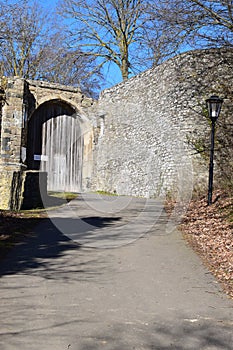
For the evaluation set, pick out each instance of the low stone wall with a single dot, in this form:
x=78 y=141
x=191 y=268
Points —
x=22 y=189
x=34 y=192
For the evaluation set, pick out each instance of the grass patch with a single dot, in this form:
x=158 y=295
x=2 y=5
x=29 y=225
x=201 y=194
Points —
x=33 y=213
x=68 y=196
x=104 y=193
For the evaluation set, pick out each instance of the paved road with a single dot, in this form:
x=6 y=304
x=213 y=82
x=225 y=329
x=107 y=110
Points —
x=110 y=274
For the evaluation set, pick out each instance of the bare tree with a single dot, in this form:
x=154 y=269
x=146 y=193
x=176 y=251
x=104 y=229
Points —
x=110 y=30
x=2 y=22
x=24 y=33
x=200 y=23
x=205 y=24
x=32 y=46
x=59 y=64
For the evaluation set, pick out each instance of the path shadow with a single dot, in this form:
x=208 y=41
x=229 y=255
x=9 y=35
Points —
x=47 y=251
x=99 y=221
x=164 y=334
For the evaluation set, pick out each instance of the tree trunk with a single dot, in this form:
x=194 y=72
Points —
x=125 y=67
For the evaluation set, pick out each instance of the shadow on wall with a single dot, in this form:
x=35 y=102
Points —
x=28 y=188
x=16 y=190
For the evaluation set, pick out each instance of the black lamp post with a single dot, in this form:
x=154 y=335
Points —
x=214 y=104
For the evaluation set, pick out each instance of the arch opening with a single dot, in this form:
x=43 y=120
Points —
x=55 y=145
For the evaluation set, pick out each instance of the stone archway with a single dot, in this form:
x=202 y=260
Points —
x=55 y=145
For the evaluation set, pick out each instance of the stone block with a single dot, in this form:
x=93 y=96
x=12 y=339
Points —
x=34 y=190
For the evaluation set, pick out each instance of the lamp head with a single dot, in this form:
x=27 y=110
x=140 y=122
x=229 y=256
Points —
x=214 y=105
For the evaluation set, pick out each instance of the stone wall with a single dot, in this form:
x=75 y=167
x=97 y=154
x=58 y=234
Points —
x=151 y=126
x=11 y=141
x=141 y=138
x=12 y=123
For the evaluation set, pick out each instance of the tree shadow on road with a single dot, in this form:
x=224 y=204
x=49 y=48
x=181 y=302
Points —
x=178 y=333
x=50 y=253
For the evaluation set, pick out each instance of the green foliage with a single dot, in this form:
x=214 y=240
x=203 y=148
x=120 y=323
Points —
x=105 y=193
x=199 y=146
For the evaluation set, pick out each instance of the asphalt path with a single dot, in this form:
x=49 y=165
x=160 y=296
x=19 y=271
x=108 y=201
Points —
x=110 y=273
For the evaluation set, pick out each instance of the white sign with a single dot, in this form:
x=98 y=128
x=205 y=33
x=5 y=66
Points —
x=23 y=153
x=44 y=158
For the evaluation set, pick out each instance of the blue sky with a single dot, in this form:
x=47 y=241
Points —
x=111 y=71
x=48 y=3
